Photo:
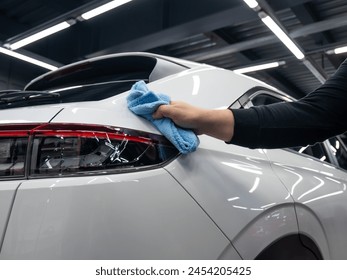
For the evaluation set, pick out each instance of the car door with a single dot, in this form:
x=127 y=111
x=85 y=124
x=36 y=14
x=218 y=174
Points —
x=316 y=184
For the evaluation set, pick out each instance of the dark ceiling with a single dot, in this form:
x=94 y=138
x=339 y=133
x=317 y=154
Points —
x=224 y=33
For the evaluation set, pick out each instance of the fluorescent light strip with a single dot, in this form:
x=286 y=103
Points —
x=103 y=8
x=39 y=35
x=314 y=71
x=258 y=67
x=282 y=36
x=28 y=59
x=251 y=3
x=340 y=50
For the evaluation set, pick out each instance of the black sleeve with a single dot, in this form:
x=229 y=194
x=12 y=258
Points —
x=314 y=118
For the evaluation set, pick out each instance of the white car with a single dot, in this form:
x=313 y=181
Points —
x=82 y=177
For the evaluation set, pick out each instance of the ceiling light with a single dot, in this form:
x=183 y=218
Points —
x=39 y=35
x=340 y=50
x=259 y=67
x=103 y=8
x=314 y=71
x=281 y=35
x=251 y=3
x=28 y=59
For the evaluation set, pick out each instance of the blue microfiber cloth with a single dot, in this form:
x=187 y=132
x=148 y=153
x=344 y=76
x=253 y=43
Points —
x=144 y=103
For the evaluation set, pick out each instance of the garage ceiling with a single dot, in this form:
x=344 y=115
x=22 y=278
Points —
x=224 y=33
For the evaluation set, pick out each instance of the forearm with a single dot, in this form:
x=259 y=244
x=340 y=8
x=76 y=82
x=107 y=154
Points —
x=287 y=124
x=314 y=118
x=216 y=123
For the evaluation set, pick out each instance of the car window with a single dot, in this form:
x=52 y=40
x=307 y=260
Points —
x=106 y=69
x=343 y=138
x=87 y=92
x=263 y=98
x=90 y=80
x=339 y=150
x=317 y=150
x=98 y=71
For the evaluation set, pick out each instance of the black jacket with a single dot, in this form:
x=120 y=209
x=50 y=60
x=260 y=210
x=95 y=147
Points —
x=314 y=118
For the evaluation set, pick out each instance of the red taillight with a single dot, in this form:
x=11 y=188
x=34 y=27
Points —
x=69 y=149
x=13 y=149
x=16 y=130
x=90 y=131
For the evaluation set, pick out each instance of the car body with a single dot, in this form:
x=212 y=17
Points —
x=82 y=177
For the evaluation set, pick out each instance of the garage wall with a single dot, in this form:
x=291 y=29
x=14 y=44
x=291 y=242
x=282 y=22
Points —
x=15 y=74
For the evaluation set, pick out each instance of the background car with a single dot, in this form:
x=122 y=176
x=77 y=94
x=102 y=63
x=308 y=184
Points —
x=81 y=177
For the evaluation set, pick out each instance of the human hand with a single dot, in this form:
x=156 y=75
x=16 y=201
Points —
x=181 y=113
x=216 y=123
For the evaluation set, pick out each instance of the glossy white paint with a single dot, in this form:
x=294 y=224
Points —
x=113 y=112
x=36 y=114
x=195 y=86
x=239 y=191
x=319 y=190
x=273 y=224
x=221 y=201
x=206 y=87
x=143 y=215
x=7 y=194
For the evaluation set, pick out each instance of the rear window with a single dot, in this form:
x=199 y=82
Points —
x=98 y=71
x=88 y=92
x=90 y=80
x=105 y=69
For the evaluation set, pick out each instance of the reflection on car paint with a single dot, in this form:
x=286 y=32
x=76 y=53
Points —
x=222 y=198
x=244 y=166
